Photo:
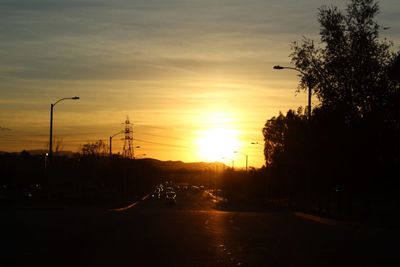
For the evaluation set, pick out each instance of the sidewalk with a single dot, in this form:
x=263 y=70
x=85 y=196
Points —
x=347 y=224
x=326 y=221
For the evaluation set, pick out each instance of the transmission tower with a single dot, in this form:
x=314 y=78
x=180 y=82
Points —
x=128 y=149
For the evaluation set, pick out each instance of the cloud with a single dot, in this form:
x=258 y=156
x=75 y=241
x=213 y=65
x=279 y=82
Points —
x=2 y=129
x=147 y=40
x=130 y=39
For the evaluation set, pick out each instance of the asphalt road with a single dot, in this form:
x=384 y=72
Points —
x=190 y=233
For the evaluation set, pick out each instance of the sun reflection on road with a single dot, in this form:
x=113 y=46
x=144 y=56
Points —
x=217 y=224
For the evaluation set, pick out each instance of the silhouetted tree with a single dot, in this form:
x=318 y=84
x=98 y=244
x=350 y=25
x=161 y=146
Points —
x=283 y=134
x=285 y=150
x=98 y=148
x=347 y=156
x=349 y=68
x=273 y=132
x=59 y=145
x=394 y=69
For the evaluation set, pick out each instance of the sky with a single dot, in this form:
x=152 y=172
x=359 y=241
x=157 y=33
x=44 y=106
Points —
x=194 y=77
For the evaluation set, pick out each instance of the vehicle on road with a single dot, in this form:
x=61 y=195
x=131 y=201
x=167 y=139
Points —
x=156 y=195
x=157 y=192
x=170 y=197
x=195 y=189
x=169 y=189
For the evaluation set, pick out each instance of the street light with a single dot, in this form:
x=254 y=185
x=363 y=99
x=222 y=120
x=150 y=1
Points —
x=247 y=158
x=142 y=155
x=278 y=67
x=51 y=123
x=45 y=161
x=111 y=137
x=136 y=148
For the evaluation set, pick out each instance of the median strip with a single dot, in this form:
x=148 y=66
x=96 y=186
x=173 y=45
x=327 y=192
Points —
x=131 y=205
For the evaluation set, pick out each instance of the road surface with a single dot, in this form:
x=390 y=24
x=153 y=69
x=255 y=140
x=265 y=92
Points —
x=190 y=233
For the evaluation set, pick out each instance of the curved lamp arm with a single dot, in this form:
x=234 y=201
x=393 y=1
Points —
x=73 y=98
x=278 y=67
x=308 y=82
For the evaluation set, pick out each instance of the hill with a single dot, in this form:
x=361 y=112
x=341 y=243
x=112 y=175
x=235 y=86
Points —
x=177 y=165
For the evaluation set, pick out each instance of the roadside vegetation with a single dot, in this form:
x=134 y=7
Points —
x=343 y=160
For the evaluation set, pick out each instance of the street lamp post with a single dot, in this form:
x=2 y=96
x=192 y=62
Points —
x=247 y=162
x=136 y=148
x=278 y=67
x=45 y=161
x=247 y=158
x=111 y=137
x=51 y=123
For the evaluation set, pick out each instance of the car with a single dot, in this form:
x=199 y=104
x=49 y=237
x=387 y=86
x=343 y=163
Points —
x=156 y=195
x=157 y=192
x=33 y=191
x=195 y=188
x=169 y=189
x=170 y=197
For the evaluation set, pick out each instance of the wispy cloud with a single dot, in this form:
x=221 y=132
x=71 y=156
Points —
x=131 y=39
x=3 y=129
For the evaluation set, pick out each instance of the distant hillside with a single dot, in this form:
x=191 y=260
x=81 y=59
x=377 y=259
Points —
x=165 y=165
x=176 y=165
x=35 y=152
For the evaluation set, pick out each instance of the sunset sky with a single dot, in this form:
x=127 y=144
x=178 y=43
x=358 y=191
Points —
x=195 y=77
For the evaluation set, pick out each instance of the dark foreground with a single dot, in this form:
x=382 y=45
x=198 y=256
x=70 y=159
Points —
x=190 y=233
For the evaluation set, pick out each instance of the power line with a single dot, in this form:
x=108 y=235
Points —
x=162 y=144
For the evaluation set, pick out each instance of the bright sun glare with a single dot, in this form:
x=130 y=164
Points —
x=217 y=144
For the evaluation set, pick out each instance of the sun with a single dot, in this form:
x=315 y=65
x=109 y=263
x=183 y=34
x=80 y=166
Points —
x=217 y=144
